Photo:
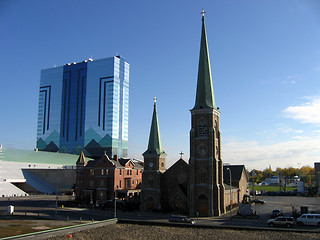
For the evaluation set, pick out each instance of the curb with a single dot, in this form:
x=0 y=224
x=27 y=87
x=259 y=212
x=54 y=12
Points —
x=240 y=228
x=61 y=231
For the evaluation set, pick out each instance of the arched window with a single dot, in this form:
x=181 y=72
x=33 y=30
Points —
x=202 y=176
x=151 y=182
x=202 y=130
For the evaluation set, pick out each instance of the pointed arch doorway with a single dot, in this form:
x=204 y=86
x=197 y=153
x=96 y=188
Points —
x=150 y=204
x=203 y=205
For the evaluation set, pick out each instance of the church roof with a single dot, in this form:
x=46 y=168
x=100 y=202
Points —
x=205 y=95
x=154 y=146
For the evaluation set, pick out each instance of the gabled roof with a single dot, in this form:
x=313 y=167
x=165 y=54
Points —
x=121 y=163
x=91 y=163
x=124 y=161
x=82 y=159
x=205 y=95
x=180 y=163
x=236 y=172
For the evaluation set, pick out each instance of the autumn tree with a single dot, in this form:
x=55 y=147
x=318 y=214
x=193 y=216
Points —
x=267 y=172
x=306 y=174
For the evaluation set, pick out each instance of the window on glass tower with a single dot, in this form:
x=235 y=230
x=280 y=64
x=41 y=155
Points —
x=202 y=131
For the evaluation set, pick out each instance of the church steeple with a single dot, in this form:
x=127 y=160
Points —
x=205 y=95
x=206 y=189
x=154 y=146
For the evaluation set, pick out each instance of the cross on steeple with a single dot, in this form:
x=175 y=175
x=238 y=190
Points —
x=181 y=154
x=203 y=12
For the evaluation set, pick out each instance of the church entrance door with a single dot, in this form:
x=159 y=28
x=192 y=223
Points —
x=150 y=204
x=178 y=204
x=203 y=205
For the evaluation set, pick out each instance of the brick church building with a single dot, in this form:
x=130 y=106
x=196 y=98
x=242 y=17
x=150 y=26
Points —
x=197 y=187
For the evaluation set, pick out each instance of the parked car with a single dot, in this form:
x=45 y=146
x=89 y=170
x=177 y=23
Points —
x=309 y=219
x=181 y=219
x=276 y=213
x=281 y=221
x=258 y=201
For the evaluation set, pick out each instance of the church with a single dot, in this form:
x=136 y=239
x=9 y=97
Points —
x=196 y=188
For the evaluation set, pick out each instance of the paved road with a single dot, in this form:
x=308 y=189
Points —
x=46 y=205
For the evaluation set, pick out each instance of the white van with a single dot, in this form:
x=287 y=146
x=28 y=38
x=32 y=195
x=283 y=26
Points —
x=309 y=219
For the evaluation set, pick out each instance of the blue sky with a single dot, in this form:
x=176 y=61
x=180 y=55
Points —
x=265 y=59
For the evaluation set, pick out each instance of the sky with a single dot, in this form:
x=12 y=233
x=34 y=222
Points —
x=265 y=61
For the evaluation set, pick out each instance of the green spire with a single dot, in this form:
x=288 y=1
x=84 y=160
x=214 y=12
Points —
x=205 y=95
x=154 y=146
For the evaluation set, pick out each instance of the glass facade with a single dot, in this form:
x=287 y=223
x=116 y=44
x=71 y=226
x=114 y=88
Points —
x=85 y=107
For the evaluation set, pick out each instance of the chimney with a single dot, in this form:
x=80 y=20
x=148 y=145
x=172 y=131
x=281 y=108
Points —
x=115 y=157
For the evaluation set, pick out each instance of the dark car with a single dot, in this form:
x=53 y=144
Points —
x=276 y=213
x=180 y=219
x=258 y=201
x=281 y=221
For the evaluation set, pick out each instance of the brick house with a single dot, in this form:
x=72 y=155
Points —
x=100 y=180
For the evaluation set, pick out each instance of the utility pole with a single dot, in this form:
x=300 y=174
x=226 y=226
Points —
x=57 y=189
x=228 y=169
x=115 y=202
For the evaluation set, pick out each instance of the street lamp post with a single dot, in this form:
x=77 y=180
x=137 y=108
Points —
x=57 y=187
x=115 y=202
x=228 y=169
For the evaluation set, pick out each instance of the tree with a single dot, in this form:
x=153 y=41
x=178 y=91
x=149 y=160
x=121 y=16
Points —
x=307 y=174
x=256 y=176
x=267 y=172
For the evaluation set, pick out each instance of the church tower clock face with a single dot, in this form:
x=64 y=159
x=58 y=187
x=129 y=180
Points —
x=202 y=150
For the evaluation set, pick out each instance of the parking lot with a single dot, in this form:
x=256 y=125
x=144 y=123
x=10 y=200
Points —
x=285 y=203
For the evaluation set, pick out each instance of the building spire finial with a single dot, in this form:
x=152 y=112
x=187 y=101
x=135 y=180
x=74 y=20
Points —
x=155 y=100
x=203 y=12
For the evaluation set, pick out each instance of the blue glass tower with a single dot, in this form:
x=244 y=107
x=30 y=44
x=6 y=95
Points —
x=84 y=107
